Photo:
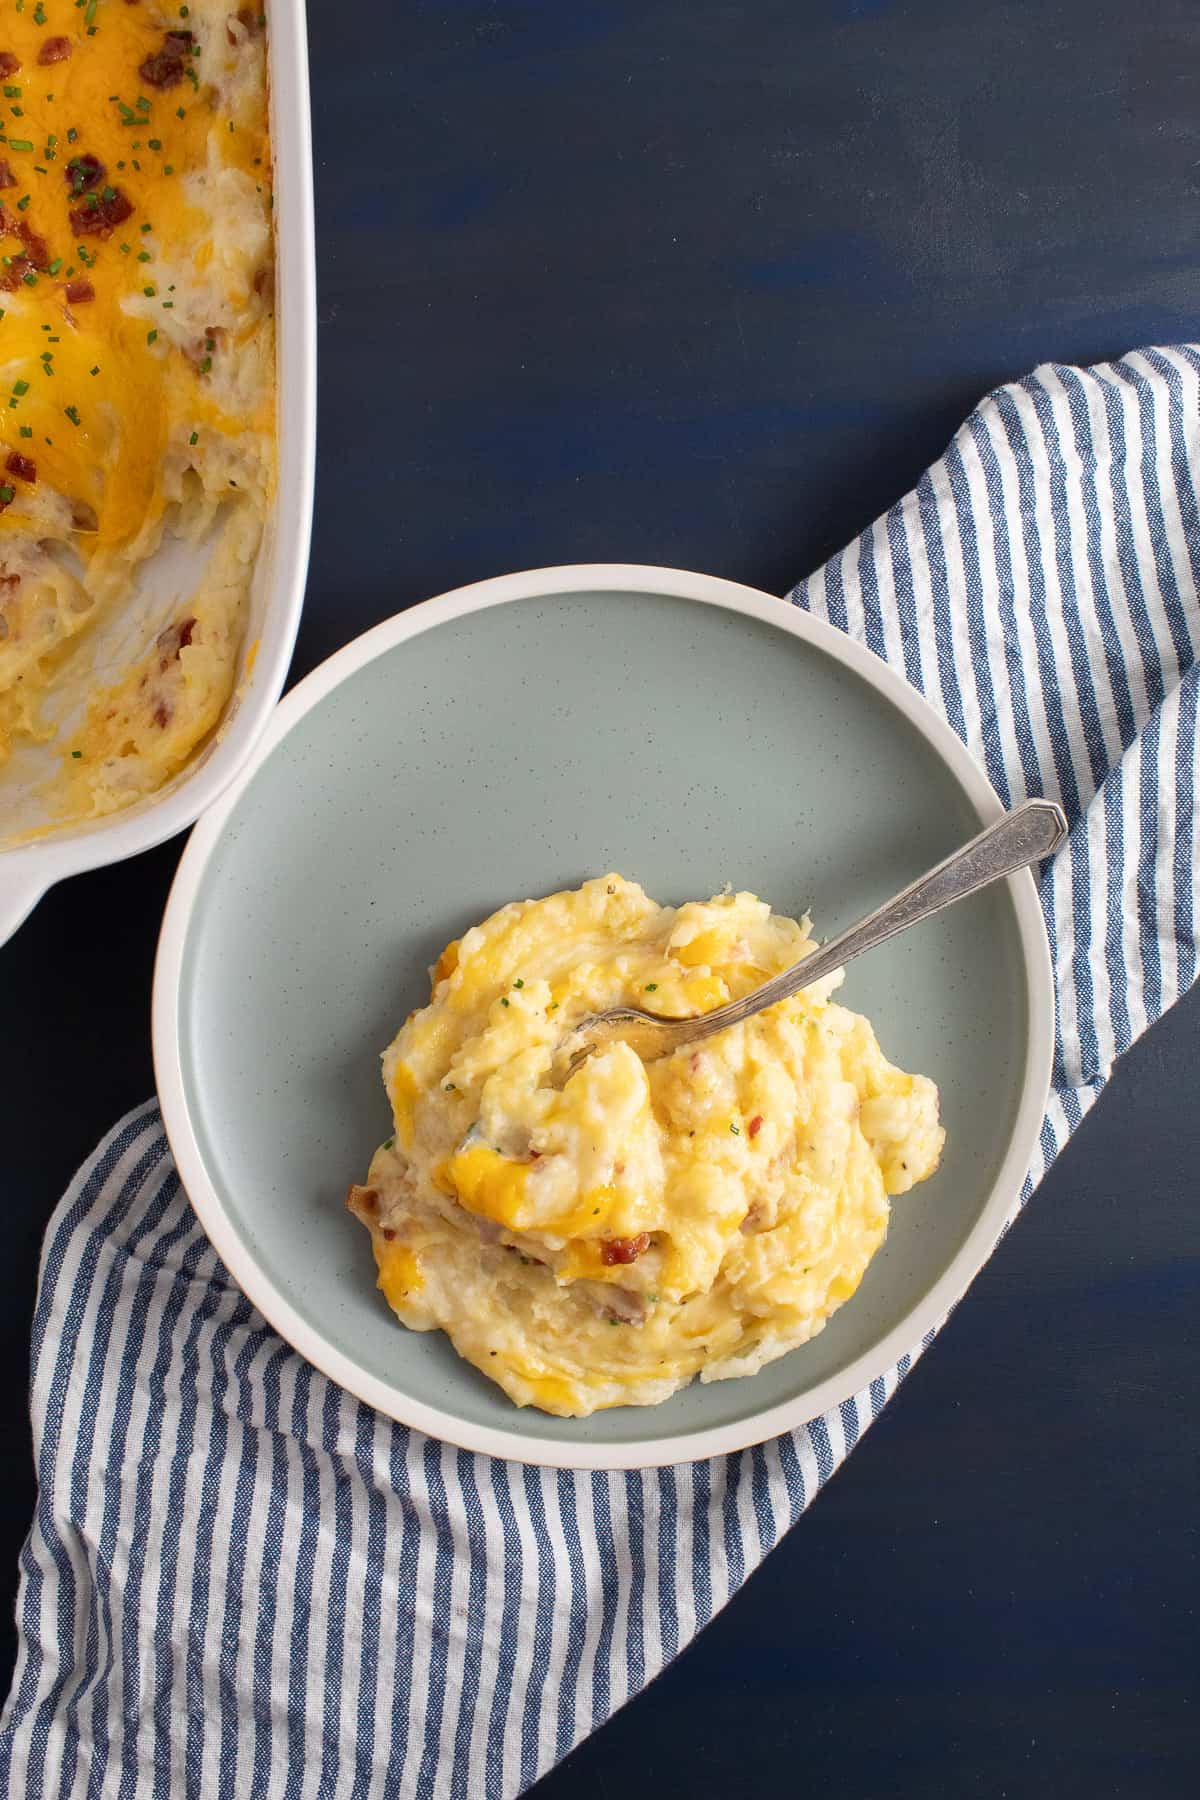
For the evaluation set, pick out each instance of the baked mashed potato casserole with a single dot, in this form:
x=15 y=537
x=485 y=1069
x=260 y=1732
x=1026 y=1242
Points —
x=600 y=1244
x=137 y=385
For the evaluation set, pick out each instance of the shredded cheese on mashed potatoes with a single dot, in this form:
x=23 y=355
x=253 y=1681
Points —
x=600 y=1244
x=136 y=369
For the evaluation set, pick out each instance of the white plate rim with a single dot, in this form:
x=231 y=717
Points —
x=526 y=1445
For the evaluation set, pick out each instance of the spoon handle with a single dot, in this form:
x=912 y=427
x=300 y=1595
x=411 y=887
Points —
x=1022 y=836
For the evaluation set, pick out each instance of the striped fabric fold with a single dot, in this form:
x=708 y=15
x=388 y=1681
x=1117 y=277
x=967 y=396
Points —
x=239 y=1580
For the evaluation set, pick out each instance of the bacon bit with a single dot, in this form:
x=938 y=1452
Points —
x=366 y=1198
x=10 y=581
x=21 y=466
x=171 y=641
x=624 y=1250
x=165 y=68
x=624 y=1307
x=7 y=178
x=12 y=277
x=387 y=1231
x=755 y=1125
x=84 y=172
x=250 y=20
x=54 y=50
x=99 y=220
x=79 y=291
x=200 y=354
x=162 y=715
x=9 y=64
x=36 y=247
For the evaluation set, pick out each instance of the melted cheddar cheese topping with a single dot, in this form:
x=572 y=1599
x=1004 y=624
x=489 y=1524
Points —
x=599 y=1244
x=137 y=386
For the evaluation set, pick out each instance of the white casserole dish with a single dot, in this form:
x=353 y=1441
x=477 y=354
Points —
x=277 y=592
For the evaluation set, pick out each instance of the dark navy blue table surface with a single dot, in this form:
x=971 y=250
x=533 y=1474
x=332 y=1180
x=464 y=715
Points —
x=709 y=284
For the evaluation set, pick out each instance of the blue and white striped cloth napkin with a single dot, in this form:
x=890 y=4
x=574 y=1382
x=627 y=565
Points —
x=240 y=1581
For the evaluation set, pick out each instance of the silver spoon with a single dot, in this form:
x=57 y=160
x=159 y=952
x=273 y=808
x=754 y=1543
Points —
x=1022 y=836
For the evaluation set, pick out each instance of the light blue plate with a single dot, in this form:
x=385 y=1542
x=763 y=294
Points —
x=509 y=741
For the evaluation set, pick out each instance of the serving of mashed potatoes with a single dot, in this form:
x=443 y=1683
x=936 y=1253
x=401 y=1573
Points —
x=601 y=1243
x=137 y=383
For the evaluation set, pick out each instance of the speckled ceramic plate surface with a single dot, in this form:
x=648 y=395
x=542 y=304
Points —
x=508 y=740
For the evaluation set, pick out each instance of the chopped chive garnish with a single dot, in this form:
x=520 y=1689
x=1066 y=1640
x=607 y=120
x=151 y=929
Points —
x=20 y=143
x=149 y=292
x=30 y=279
x=95 y=370
x=23 y=202
x=154 y=143
x=72 y=413
x=205 y=366
x=77 y=754
x=195 y=438
x=143 y=255
x=90 y=14
x=518 y=983
x=20 y=387
x=27 y=431
x=72 y=134
x=151 y=337
x=55 y=266
x=6 y=495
